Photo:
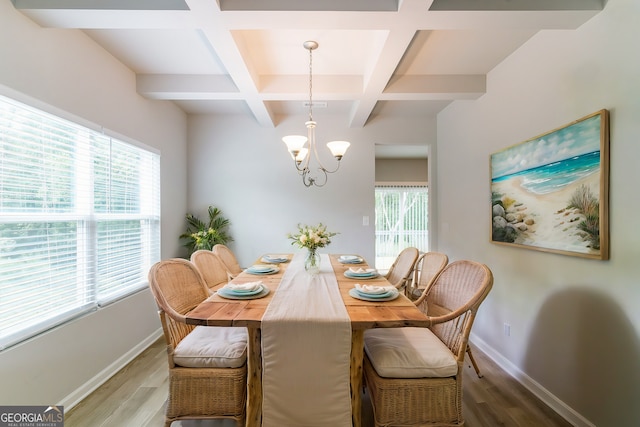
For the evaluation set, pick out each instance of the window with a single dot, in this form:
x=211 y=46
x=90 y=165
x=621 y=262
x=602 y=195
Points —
x=401 y=221
x=79 y=220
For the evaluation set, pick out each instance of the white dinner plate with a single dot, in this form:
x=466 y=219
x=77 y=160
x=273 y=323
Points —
x=350 y=259
x=240 y=292
x=230 y=295
x=376 y=296
x=269 y=269
x=365 y=271
x=360 y=276
x=353 y=292
x=274 y=259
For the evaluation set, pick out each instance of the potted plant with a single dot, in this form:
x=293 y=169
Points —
x=201 y=235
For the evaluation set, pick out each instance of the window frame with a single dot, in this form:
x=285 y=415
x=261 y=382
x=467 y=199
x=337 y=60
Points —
x=87 y=219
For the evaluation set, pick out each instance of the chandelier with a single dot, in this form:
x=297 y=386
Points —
x=297 y=144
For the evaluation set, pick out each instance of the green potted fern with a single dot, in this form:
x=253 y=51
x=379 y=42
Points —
x=201 y=235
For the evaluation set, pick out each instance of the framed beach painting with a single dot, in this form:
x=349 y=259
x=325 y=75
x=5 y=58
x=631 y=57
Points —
x=550 y=193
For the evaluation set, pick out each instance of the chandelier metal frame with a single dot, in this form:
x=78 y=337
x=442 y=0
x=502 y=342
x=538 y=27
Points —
x=296 y=143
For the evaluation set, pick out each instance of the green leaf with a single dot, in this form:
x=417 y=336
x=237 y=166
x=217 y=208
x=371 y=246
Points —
x=201 y=235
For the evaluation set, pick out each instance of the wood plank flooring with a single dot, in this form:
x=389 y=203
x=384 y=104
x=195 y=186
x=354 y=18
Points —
x=134 y=397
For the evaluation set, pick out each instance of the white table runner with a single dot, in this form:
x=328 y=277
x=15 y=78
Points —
x=306 y=347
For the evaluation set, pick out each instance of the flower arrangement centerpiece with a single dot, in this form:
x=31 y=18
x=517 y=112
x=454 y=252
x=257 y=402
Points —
x=311 y=238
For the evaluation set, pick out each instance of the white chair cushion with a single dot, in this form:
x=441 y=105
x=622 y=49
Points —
x=409 y=353
x=212 y=347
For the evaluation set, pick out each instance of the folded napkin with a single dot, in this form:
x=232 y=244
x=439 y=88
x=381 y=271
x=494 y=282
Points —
x=374 y=290
x=274 y=258
x=362 y=270
x=349 y=257
x=243 y=287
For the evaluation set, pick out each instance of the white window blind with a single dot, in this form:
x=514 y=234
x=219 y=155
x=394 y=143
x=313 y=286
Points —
x=79 y=219
x=401 y=221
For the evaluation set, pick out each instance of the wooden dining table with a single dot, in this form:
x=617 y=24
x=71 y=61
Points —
x=218 y=311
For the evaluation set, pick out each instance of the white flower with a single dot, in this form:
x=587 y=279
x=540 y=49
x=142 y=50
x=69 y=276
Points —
x=311 y=237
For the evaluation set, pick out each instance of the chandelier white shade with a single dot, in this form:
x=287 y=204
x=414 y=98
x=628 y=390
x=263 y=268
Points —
x=303 y=149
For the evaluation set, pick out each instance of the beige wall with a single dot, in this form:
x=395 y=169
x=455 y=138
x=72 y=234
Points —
x=574 y=322
x=401 y=170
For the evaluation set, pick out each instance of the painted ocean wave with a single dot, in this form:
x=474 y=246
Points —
x=557 y=175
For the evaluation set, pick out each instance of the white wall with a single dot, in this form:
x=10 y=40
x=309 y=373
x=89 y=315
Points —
x=246 y=171
x=574 y=322
x=66 y=70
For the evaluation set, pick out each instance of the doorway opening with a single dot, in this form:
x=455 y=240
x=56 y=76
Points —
x=401 y=221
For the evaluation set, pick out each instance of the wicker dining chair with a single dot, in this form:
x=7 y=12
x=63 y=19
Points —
x=428 y=266
x=207 y=364
x=425 y=270
x=213 y=270
x=228 y=258
x=414 y=375
x=400 y=271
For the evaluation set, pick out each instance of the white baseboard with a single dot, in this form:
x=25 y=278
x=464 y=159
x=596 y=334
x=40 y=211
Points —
x=90 y=386
x=533 y=386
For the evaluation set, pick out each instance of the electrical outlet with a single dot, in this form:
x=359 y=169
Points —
x=365 y=220
x=507 y=330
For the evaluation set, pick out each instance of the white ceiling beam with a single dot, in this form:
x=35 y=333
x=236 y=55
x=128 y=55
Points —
x=420 y=16
x=230 y=53
x=328 y=88
x=324 y=86
x=517 y=5
x=310 y=5
x=102 y=4
x=381 y=70
x=162 y=86
x=85 y=19
x=434 y=20
x=393 y=26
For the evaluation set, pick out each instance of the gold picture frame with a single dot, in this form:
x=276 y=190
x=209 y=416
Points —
x=551 y=193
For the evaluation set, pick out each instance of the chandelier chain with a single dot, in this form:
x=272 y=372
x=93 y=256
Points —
x=310 y=84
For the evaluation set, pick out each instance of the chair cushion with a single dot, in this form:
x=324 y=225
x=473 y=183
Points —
x=409 y=353
x=212 y=347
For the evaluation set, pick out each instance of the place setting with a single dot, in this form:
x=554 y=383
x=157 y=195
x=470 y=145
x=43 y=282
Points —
x=263 y=269
x=350 y=259
x=249 y=290
x=361 y=273
x=374 y=293
x=274 y=259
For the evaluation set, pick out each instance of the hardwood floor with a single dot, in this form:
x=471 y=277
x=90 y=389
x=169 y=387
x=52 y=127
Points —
x=134 y=397
x=497 y=399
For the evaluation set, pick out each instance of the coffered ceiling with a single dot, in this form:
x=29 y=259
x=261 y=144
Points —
x=375 y=57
